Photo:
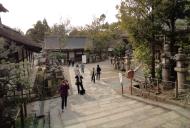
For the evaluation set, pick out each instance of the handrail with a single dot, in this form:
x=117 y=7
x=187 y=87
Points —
x=18 y=112
x=49 y=119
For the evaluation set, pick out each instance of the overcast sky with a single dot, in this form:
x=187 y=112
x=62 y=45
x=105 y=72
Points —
x=24 y=13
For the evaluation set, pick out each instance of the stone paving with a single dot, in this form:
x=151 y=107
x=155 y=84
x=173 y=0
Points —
x=102 y=107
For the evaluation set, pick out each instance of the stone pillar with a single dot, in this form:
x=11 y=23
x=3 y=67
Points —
x=181 y=69
x=115 y=63
x=123 y=64
x=127 y=63
x=166 y=63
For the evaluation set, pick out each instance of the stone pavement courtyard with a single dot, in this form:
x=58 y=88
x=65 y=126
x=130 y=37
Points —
x=103 y=107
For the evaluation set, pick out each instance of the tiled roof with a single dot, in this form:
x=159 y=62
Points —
x=3 y=9
x=75 y=43
x=15 y=36
x=52 y=42
x=55 y=43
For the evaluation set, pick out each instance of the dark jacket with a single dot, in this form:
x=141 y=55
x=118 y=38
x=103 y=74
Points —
x=64 y=89
x=98 y=70
x=78 y=79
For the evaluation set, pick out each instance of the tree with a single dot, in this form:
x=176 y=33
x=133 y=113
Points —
x=169 y=12
x=101 y=33
x=137 y=17
x=39 y=31
x=119 y=49
x=143 y=19
x=63 y=28
x=81 y=31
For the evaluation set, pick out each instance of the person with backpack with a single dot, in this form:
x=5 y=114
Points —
x=79 y=84
x=98 y=72
x=63 y=90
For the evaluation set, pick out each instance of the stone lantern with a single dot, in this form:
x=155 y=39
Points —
x=166 y=63
x=181 y=69
x=127 y=58
x=58 y=73
x=127 y=63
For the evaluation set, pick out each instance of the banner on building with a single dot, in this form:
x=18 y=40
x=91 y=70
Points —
x=84 y=59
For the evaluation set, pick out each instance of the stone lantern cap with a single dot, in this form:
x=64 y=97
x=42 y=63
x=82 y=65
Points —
x=180 y=56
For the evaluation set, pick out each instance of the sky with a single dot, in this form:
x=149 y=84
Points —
x=23 y=14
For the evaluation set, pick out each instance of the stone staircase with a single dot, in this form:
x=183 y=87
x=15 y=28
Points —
x=118 y=112
x=102 y=107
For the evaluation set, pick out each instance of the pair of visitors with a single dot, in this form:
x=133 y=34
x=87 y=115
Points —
x=95 y=74
x=63 y=90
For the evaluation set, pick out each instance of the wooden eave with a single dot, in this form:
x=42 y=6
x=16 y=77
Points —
x=15 y=36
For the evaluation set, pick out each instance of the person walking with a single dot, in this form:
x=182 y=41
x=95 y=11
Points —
x=82 y=67
x=64 y=87
x=79 y=83
x=73 y=62
x=69 y=62
x=76 y=70
x=98 y=72
x=93 y=74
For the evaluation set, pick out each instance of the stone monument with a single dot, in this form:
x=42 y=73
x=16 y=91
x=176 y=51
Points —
x=166 y=63
x=181 y=69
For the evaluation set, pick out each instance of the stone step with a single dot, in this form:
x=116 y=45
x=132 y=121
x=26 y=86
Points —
x=102 y=107
x=109 y=107
x=155 y=121
x=133 y=118
x=95 y=113
x=107 y=116
x=111 y=117
x=177 y=123
x=56 y=120
x=103 y=101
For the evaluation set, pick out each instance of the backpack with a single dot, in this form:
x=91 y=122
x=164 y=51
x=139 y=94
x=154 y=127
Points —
x=99 y=70
x=82 y=92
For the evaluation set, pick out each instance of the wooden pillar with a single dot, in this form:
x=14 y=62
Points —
x=67 y=56
x=83 y=52
x=23 y=56
x=74 y=55
x=25 y=109
x=26 y=53
x=17 y=57
x=21 y=116
x=32 y=59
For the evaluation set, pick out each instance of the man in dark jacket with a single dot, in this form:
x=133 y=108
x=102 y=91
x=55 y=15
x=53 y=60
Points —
x=64 y=87
x=98 y=72
x=79 y=83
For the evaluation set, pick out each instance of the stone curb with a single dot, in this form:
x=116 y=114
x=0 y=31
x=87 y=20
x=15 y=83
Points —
x=177 y=109
x=161 y=99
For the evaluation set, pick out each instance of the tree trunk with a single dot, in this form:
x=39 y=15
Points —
x=153 y=59
x=153 y=45
x=172 y=37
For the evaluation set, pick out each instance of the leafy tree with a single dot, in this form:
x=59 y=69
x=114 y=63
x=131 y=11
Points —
x=119 y=50
x=169 y=12
x=101 y=33
x=39 y=31
x=137 y=17
x=143 y=19
x=81 y=31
